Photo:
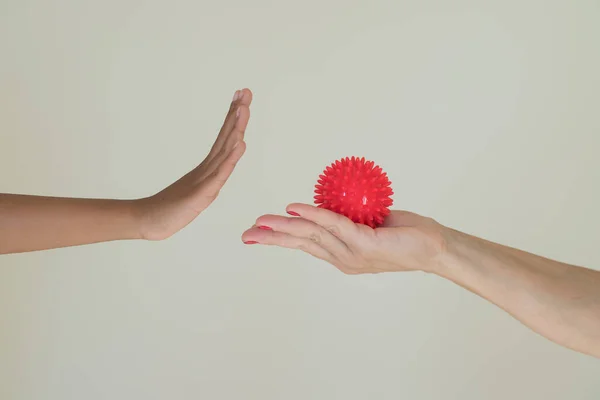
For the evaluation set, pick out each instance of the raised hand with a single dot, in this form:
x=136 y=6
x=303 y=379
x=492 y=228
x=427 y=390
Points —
x=29 y=223
x=173 y=208
x=405 y=242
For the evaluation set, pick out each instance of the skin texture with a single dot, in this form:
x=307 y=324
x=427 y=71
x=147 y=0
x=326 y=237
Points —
x=29 y=223
x=557 y=300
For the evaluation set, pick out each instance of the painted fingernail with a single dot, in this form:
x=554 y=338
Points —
x=294 y=213
x=265 y=228
x=250 y=242
x=236 y=95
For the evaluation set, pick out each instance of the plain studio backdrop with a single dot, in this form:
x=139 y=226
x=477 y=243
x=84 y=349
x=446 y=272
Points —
x=486 y=117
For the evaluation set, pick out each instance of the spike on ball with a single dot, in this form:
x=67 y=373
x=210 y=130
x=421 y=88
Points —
x=356 y=188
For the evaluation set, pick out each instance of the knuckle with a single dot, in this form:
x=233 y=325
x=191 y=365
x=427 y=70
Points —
x=315 y=237
x=213 y=174
x=239 y=135
x=221 y=153
x=217 y=176
x=334 y=230
x=212 y=196
x=221 y=181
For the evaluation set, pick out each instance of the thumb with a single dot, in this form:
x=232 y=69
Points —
x=402 y=218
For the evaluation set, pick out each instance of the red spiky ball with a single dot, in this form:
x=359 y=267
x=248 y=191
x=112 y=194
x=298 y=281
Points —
x=356 y=188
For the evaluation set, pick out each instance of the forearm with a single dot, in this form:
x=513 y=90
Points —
x=557 y=300
x=29 y=223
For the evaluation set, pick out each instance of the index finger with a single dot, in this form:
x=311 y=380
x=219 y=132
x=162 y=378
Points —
x=339 y=225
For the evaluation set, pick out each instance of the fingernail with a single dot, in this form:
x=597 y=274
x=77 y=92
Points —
x=241 y=95
x=250 y=242
x=265 y=228
x=294 y=213
x=236 y=95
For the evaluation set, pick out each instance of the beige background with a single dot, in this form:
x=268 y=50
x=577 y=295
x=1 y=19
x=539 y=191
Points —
x=485 y=116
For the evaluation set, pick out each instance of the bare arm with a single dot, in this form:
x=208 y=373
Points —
x=38 y=223
x=29 y=223
x=559 y=301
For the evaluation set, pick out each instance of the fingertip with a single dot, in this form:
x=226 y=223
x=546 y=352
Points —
x=296 y=209
x=254 y=235
x=247 y=238
x=246 y=233
x=270 y=220
x=246 y=96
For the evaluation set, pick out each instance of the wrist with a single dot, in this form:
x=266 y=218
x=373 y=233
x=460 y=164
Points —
x=137 y=210
x=152 y=222
x=461 y=252
x=446 y=244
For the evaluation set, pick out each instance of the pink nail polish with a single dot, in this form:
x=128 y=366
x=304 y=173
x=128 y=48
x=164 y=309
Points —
x=293 y=213
x=250 y=242
x=265 y=228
